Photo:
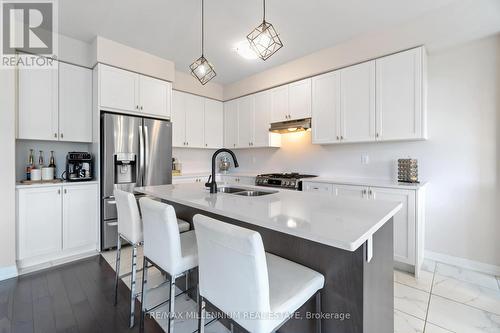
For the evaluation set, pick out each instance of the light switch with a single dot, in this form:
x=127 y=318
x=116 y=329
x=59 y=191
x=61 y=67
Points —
x=365 y=159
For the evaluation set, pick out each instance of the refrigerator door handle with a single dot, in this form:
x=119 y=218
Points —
x=141 y=156
x=146 y=153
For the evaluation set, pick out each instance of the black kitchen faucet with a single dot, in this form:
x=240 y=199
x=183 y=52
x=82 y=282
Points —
x=211 y=183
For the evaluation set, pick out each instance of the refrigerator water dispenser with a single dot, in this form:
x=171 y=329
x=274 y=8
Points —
x=125 y=168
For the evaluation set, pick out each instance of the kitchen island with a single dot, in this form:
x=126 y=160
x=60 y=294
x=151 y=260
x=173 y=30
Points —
x=348 y=240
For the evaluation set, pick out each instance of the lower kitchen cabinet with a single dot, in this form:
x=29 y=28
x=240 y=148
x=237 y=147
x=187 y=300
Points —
x=408 y=222
x=238 y=180
x=56 y=221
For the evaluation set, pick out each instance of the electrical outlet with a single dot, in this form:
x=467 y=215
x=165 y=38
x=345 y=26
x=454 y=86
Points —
x=365 y=159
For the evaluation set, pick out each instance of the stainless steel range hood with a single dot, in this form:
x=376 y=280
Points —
x=291 y=126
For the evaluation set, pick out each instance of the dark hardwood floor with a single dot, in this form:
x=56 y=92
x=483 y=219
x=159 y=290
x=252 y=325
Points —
x=75 y=297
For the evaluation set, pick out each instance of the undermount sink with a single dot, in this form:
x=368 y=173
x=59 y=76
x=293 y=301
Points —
x=254 y=193
x=226 y=189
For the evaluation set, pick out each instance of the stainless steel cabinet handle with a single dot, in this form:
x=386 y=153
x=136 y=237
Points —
x=341 y=137
x=65 y=191
x=370 y=192
x=338 y=138
x=62 y=135
x=364 y=192
x=58 y=191
x=55 y=135
x=142 y=107
x=377 y=135
x=137 y=107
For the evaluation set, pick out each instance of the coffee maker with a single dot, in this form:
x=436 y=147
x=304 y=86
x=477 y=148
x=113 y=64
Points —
x=79 y=166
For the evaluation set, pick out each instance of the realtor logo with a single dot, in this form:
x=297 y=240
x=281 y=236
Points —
x=28 y=29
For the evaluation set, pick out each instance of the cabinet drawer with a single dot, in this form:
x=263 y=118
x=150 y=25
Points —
x=317 y=187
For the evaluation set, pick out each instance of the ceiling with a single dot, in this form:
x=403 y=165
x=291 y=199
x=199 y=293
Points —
x=171 y=28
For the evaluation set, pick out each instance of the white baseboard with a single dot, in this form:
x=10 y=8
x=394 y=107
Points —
x=8 y=272
x=29 y=266
x=463 y=263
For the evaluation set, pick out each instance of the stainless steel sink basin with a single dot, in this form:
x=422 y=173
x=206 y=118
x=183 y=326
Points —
x=251 y=193
x=227 y=189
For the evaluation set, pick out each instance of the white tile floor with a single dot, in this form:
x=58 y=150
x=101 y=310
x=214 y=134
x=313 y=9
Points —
x=445 y=299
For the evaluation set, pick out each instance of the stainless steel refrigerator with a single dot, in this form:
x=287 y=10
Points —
x=135 y=151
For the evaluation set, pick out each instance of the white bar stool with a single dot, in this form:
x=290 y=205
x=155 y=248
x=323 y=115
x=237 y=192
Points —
x=239 y=278
x=171 y=252
x=130 y=230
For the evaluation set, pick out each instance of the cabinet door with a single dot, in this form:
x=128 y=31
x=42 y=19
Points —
x=279 y=104
x=38 y=104
x=178 y=119
x=195 y=121
x=317 y=187
x=357 y=96
x=399 y=96
x=154 y=96
x=75 y=103
x=80 y=219
x=350 y=191
x=245 y=121
x=214 y=124
x=118 y=89
x=326 y=108
x=39 y=221
x=404 y=222
x=231 y=124
x=299 y=99
x=262 y=119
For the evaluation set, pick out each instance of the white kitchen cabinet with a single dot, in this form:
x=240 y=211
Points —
x=279 y=104
x=299 y=99
x=39 y=221
x=185 y=180
x=231 y=124
x=404 y=222
x=195 y=121
x=245 y=121
x=118 y=89
x=400 y=109
x=127 y=91
x=350 y=191
x=80 y=203
x=317 y=187
x=38 y=104
x=357 y=97
x=326 y=108
x=214 y=124
x=155 y=97
x=238 y=180
x=75 y=103
x=55 y=222
x=262 y=120
x=188 y=120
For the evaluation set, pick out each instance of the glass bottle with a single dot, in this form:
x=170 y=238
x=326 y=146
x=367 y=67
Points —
x=30 y=165
x=40 y=160
x=52 y=162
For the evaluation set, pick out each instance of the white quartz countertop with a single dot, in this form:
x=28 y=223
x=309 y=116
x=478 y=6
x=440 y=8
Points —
x=344 y=223
x=63 y=183
x=366 y=182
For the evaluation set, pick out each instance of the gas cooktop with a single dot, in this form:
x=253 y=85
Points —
x=290 y=180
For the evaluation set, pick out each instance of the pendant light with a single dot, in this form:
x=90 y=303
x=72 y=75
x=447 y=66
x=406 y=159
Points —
x=264 y=39
x=201 y=68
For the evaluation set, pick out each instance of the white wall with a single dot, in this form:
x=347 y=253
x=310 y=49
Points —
x=188 y=83
x=460 y=159
x=7 y=174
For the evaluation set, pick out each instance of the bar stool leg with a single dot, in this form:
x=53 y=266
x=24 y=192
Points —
x=143 y=294
x=318 y=312
x=187 y=286
x=132 y=285
x=117 y=278
x=201 y=314
x=171 y=305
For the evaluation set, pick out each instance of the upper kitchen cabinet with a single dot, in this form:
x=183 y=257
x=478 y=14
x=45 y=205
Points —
x=38 y=104
x=75 y=103
x=155 y=96
x=231 y=124
x=279 y=104
x=326 y=108
x=55 y=104
x=214 y=123
x=400 y=105
x=118 y=89
x=188 y=120
x=245 y=121
x=357 y=103
x=261 y=122
x=122 y=90
x=299 y=99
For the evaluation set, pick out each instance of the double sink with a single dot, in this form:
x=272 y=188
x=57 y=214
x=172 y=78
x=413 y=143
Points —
x=244 y=192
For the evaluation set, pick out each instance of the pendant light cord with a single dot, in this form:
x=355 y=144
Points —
x=264 y=11
x=202 y=32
